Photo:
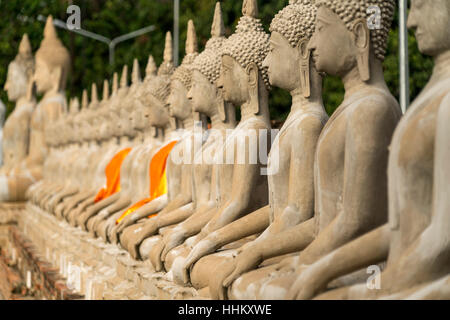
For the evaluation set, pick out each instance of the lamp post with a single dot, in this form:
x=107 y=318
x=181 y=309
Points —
x=403 y=54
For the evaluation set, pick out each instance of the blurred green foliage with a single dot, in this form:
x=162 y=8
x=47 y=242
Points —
x=112 y=18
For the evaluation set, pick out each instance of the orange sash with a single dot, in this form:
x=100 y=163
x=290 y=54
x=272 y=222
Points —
x=112 y=173
x=158 y=179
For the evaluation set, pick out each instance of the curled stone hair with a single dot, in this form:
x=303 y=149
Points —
x=249 y=43
x=184 y=72
x=350 y=10
x=208 y=62
x=296 y=21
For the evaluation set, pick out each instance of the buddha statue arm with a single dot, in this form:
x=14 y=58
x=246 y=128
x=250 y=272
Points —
x=364 y=204
x=372 y=248
x=244 y=179
x=252 y=254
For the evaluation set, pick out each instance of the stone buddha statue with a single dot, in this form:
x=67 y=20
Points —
x=72 y=156
x=415 y=240
x=52 y=67
x=180 y=110
x=101 y=141
x=16 y=132
x=84 y=168
x=206 y=99
x=241 y=186
x=132 y=171
x=352 y=150
x=45 y=188
x=120 y=137
x=135 y=173
x=291 y=162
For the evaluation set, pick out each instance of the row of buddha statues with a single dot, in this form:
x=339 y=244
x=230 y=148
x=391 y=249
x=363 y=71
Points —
x=366 y=186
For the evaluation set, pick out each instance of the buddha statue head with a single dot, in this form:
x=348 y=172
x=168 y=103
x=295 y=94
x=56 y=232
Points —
x=342 y=27
x=20 y=71
x=179 y=105
x=52 y=62
x=157 y=88
x=243 y=78
x=289 y=60
x=431 y=22
x=140 y=116
x=204 y=93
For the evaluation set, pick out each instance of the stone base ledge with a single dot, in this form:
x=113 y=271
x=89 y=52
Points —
x=95 y=269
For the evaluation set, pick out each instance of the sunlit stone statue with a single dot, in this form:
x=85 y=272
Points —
x=352 y=151
x=415 y=240
x=52 y=66
x=133 y=170
x=180 y=109
x=291 y=184
x=16 y=132
x=206 y=99
x=241 y=183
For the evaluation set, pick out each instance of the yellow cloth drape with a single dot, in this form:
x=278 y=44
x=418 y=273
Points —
x=158 y=179
x=112 y=172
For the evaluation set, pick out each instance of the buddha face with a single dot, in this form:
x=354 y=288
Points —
x=156 y=114
x=233 y=81
x=125 y=125
x=333 y=45
x=203 y=93
x=431 y=22
x=16 y=82
x=179 y=105
x=283 y=63
x=43 y=76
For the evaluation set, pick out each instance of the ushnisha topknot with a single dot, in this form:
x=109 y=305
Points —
x=350 y=10
x=296 y=21
x=151 y=69
x=159 y=86
x=184 y=72
x=166 y=68
x=208 y=62
x=249 y=43
x=25 y=57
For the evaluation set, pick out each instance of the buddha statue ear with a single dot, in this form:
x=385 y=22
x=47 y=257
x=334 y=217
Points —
x=362 y=41
x=305 y=55
x=31 y=90
x=253 y=84
x=221 y=105
x=57 y=76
